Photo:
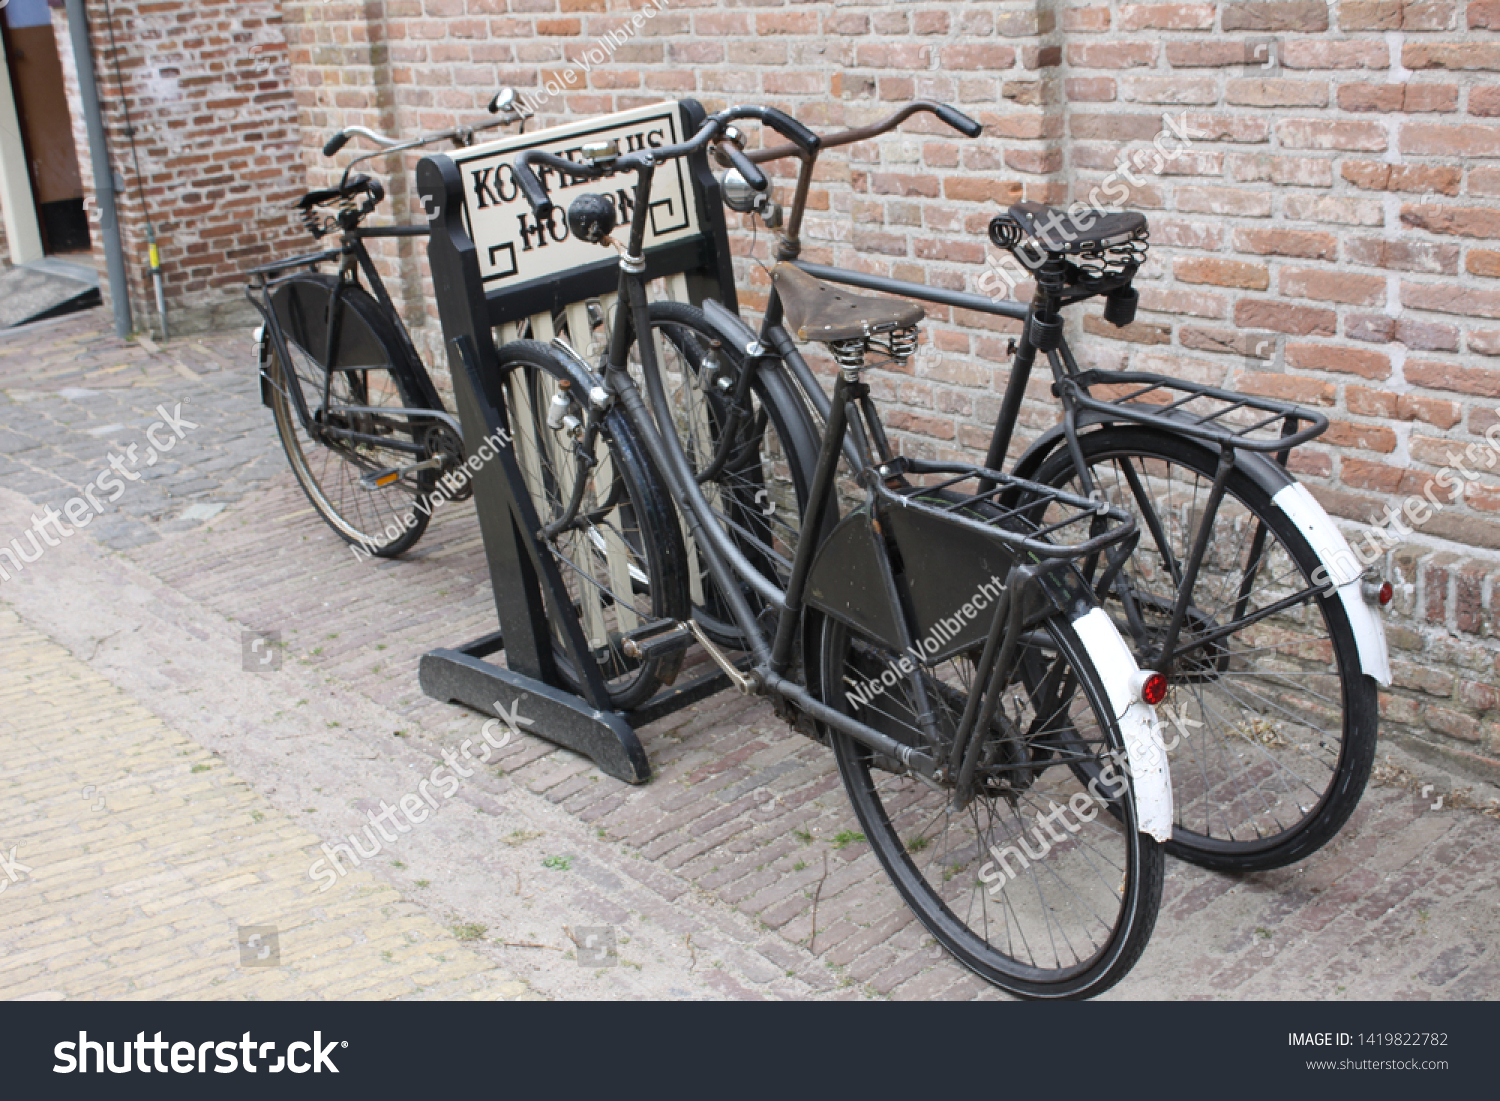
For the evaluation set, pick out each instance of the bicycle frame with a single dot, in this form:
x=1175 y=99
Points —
x=1070 y=384
x=771 y=653
x=353 y=258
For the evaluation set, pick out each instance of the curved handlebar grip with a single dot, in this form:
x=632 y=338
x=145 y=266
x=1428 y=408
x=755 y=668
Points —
x=958 y=120
x=335 y=143
x=531 y=187
x=790 y=128
x=745 y=167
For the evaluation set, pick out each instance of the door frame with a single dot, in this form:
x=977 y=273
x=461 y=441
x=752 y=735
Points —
x=23 y=233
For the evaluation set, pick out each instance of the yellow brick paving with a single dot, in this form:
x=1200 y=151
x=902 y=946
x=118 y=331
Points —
x=144 y=897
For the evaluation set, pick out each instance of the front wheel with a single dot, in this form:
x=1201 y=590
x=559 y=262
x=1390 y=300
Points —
x=1042 y=885
x=621 y=559
x=1273 y=720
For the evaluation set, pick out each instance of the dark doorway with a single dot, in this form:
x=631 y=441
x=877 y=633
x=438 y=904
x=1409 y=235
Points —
x=46 y=125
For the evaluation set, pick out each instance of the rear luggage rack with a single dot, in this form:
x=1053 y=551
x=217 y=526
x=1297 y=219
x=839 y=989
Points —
x=1220 y=417
x=1029 y=521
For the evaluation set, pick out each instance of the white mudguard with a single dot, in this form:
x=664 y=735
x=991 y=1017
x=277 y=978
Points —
x=1145 y=754
x=1344 y=570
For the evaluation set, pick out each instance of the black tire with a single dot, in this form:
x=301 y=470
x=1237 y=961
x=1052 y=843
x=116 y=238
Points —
x=623 y=564
x=1286 y=718
x=1072 y=923
x=760 y=493
x=373 y=370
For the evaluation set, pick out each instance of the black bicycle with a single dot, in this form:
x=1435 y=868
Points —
x=944 y=643
x=362 y=424
x=1241 y=591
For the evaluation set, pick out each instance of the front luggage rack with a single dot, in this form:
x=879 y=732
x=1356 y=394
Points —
x=1207 y=413
x=1024 y=516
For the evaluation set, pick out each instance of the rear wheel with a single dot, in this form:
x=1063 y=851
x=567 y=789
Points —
x=351 y=457
x=1026 y=891
x=1274 y=721
x=621 y=560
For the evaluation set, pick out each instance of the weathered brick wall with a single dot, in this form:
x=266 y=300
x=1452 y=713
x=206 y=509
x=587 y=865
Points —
x=217 y=136
x=1330 y=234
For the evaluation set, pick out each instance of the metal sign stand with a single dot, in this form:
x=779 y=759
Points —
x=493 y=267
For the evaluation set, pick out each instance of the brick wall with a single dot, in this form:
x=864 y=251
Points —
x=1331 y=234
x=217 y=136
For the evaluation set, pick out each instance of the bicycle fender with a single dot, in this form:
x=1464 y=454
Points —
x=731 y=329
x=1145 y=753
x=1303 y=509
x=1344 y=571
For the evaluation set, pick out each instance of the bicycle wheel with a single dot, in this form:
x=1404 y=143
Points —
x=759 y=489
x=370 y=373
x=1039 y=911
x=1274 y=722
x=622 y=559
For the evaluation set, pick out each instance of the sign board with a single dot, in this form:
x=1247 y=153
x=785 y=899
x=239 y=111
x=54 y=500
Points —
x=514 y=249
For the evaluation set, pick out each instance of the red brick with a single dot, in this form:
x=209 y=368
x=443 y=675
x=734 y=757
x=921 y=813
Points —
x=1378 y=176
x=1166 y=17
x=1297 y=15
x=1287 y=242
x=1223 y=200
x=1480 y=381
x=1222 y=273
x=1390 y=98
x=1111 y=55
x=1330 y=134
x=1335 y=357
x=1333 y=208
x=1089 y=89
x=1453 y=220
x=1455 y=56
x=1086 y=19
x=1364 y=437
x=982 y=55
x=1484 y=13
x=1370 y=15
x=1291 y=171
x=1483 y=262
x=1280 y=317
x=1205 y=55
x=979 y=190
x=1406 y=407
x=1331 y=286
x=1426 y=336
x=1276 y=93
x=1401 y=254
x=1426 y=139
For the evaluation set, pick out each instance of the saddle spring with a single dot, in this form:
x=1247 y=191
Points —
x=896 y=346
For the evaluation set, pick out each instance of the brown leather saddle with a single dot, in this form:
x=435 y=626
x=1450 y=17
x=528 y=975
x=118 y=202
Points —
x=816 y=310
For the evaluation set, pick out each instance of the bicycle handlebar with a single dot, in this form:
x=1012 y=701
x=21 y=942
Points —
x=950 y=115
x=536 y=192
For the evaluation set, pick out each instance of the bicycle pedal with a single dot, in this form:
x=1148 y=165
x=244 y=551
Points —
x=658 y=639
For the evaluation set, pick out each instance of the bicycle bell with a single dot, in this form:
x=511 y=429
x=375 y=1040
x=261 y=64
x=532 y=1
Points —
x=741 y=198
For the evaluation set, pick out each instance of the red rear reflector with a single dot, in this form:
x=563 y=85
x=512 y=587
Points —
x=1154 y=689
x=1386 y=592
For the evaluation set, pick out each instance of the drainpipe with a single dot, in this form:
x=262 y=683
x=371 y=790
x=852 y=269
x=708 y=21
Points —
x=104 y=177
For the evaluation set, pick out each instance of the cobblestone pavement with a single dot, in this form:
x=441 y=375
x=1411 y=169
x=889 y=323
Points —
x=705 y=879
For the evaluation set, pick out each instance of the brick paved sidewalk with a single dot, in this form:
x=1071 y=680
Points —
x=709 y=873
x=140 y=866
